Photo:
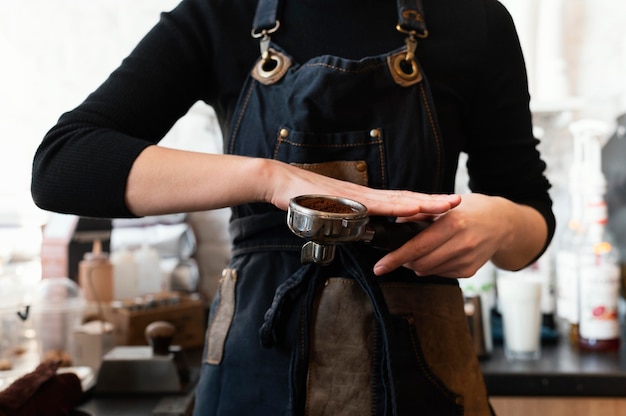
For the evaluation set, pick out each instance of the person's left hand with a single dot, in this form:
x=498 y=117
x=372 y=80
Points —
x=458 y=242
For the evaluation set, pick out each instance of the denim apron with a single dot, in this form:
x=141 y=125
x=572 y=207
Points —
x=286 y=338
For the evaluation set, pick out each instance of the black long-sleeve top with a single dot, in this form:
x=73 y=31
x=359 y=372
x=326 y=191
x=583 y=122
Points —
x=203 y=50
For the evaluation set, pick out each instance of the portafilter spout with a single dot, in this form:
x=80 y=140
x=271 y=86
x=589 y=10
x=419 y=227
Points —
x=325 y=221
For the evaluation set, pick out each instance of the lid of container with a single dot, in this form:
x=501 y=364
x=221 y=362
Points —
x=57 y=293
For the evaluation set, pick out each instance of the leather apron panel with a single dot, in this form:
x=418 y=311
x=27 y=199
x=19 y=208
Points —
x=437 y=313
x=341 y=345
x=354 y=171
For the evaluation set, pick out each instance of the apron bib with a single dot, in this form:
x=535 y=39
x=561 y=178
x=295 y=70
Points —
x=292 y=339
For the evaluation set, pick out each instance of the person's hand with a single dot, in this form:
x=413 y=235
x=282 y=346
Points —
x=459 y=242
x=293 y=181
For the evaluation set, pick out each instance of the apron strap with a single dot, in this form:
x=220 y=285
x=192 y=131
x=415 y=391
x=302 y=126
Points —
x=265 y=18
x=410 y=17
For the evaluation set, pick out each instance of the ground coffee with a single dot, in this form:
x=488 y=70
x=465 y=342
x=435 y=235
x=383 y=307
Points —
x=326 y=205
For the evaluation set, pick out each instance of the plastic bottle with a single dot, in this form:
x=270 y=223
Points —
x=567 y=254
x=599 y=272
x=95 y=275
x=542 y=271
x=150 y=278
x=125 y=274
x=566 y=258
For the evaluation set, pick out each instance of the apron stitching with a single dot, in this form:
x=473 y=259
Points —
x=342 y=280
x=231 y=148
x=382 y=161
x=426 y=370
x=304 y=364
x=279 y=141
x=436 y=133
x=374 y=380
x=358 y=144
x=352 y=71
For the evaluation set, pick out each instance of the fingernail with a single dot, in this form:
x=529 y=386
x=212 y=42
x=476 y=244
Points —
x=380 y=269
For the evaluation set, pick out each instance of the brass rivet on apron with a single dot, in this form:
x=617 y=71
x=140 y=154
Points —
x=375 y=133
x=284 y=133
x=361 y=167
x=326 y=282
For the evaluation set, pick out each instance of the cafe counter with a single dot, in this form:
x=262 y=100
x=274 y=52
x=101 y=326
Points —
x=564 y=381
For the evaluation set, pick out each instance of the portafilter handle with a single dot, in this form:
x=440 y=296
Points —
x=382 y=235
x=387 y=235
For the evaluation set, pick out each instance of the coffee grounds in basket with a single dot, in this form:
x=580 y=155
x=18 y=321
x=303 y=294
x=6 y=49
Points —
x=326 y=205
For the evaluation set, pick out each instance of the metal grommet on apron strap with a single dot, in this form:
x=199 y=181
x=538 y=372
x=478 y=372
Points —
x=273 y=64
x=403 y=66
x=404 y=72
x=270 y=70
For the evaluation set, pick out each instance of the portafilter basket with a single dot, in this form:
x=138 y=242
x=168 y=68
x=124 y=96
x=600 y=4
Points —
x=325 y=221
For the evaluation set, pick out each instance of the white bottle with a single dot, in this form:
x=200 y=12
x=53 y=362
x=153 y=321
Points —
x=566 y=260
x=150 y=278
x=567 y=255
x=125 y=274
x=599 y=272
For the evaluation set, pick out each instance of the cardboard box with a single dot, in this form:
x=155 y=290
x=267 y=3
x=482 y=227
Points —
x=185 y=312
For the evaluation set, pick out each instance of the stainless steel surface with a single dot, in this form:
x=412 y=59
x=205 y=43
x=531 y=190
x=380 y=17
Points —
x=327 y=227
x=326 y=221
x=324 y=229
x=480 y=331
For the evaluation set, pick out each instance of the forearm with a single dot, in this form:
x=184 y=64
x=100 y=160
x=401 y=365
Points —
x=164 y=180
x=524 y=235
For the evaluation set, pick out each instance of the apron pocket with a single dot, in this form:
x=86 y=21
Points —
x=430 y=320
x=416 y=386
x=220 y=324
x=359 y=153
x=345 y=170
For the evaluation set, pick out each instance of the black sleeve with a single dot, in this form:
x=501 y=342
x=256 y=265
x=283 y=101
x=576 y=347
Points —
x=82 y=164
x=503 y=158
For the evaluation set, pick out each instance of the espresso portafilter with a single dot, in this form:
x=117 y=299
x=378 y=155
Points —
x=326 y=221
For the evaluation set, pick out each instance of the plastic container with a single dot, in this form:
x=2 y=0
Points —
x=11 y=325
x=56 y=311
x=95 y=275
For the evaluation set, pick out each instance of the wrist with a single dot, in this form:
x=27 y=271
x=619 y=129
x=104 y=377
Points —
x=522 y=235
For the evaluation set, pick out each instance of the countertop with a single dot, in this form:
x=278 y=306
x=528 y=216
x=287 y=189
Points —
x=562 y=371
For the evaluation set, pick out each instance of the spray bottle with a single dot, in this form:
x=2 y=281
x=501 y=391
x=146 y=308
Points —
x=599 y=272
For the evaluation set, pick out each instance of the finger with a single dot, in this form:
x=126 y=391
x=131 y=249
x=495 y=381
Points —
x=414 y=251
x=403 y=204
x=457 y=268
